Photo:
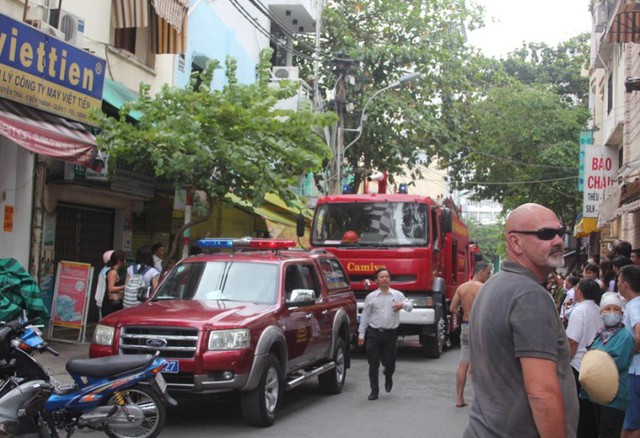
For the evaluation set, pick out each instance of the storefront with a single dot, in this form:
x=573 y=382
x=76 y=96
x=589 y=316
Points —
x=47 y=88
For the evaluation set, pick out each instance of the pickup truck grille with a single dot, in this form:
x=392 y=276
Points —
x=173 y=342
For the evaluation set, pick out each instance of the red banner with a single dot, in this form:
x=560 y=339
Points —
x=77 y=148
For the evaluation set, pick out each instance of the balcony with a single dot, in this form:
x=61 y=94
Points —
x=622 y=18
x=298 y=16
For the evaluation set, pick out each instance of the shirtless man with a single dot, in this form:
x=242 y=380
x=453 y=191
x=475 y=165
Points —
x=464 y=296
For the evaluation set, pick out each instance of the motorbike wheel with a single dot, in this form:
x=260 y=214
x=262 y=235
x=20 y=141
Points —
x=152 y=406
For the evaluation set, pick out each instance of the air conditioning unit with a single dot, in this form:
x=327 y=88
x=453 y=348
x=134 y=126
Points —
x=36 y=12
x=602 y=17
x=48 y=29
x=72 y=26
x=284 y=72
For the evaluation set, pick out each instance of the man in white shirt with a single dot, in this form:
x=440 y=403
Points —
x=583 y=325
x=570 y=298
x=379 y=323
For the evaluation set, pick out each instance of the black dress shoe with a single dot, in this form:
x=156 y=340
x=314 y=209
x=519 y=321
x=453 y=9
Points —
x=373 y=395
x=388 y=383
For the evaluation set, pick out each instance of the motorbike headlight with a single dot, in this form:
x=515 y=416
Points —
x=229 y=339
x=104 y=335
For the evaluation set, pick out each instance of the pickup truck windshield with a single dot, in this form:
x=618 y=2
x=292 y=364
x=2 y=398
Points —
x=221 y=280
x=371 y=224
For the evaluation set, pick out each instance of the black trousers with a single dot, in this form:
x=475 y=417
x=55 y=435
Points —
x=587 y=427
x=609 y=421
x=381 y=348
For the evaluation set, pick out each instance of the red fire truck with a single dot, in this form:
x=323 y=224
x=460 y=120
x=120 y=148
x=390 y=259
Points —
x=422 y=241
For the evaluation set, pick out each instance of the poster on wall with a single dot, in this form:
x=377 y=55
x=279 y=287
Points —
x=71 y=298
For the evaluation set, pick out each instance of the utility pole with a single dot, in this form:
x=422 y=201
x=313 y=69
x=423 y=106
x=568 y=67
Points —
x=343 y=67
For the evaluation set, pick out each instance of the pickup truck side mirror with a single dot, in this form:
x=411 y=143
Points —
x=301 y=298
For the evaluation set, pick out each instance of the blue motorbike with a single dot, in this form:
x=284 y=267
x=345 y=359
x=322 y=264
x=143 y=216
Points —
x=123 y=396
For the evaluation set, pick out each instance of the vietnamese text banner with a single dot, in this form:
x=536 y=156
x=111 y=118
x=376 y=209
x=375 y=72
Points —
x=41 y=71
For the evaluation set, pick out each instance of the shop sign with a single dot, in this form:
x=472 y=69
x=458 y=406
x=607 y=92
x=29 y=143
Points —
x=599 y=173
x=133 y=183
x=44 y=72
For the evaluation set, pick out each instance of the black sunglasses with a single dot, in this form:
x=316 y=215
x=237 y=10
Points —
x=545 y=233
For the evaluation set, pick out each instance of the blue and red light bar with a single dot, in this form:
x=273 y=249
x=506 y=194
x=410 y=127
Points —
x=250 y=243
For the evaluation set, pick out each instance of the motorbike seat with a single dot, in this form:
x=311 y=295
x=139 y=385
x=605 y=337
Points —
x=108 y=366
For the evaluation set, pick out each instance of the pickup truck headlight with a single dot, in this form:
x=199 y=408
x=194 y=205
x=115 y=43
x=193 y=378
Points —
x=104 y=335
x=229 y=339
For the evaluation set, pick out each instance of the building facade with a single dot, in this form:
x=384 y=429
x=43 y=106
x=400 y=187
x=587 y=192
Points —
x=56 y=199
x=614 y=101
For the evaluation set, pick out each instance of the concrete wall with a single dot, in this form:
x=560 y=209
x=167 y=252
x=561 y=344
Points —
x=16 y=191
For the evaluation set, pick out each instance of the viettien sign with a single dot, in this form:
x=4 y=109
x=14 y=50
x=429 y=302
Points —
x=43 y=72
x=599 y=173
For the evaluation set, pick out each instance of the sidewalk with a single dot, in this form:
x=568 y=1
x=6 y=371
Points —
x=56 y=364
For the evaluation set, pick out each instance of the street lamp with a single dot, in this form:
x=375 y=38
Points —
x=363 y=117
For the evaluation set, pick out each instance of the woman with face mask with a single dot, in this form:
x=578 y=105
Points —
x=616 y=340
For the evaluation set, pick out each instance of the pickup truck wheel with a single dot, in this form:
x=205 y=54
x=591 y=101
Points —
x=332 y=381
x=432 y=346
x=259 y=406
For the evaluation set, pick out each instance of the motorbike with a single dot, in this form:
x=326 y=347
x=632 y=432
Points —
x=123 y=396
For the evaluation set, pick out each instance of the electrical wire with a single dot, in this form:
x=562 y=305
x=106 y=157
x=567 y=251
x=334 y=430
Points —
x=265 y=32
x=262 y=8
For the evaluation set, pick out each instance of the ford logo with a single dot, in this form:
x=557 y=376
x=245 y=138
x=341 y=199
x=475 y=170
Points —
x=156 y=342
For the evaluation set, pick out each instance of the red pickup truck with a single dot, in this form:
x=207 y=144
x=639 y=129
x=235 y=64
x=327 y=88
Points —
x=258 y=322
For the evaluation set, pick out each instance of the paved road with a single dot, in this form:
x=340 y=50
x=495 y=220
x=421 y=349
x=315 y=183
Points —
x=422 y=403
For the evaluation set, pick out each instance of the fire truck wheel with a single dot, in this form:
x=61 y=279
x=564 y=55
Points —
x=432 y=345
x=332 y=381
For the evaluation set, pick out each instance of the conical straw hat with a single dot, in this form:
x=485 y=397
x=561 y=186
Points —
x=599 y=376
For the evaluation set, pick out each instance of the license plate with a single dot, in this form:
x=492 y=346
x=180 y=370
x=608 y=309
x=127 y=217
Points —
x=162 y=384
x=172 y=366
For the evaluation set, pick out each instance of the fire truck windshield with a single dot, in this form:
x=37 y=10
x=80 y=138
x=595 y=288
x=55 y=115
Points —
x=371 y=224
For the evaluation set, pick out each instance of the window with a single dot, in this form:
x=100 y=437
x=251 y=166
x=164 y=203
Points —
x=311 y=279
x=333 y=274
x=222 y=281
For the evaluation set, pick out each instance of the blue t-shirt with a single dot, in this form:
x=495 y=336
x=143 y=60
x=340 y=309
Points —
x=631 y=318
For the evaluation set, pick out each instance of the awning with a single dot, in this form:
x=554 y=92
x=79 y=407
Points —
x=116 y=95
x=280 y=225
x=130 y=13
x=46 y=134
x=607 y=208
x=631 y=207
x=625 y=25
x=173 y=12
x=169 y=26
x=585 y=226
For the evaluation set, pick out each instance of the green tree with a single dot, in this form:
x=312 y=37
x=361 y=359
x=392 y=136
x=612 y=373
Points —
x=488 y=237
x=522 y=147
x=387 y=39
x=520 y=136
x=562 y=66
x=219 y=141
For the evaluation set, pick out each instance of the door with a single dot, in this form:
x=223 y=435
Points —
x=321 y=325
x=83 y=234
x=298 y=320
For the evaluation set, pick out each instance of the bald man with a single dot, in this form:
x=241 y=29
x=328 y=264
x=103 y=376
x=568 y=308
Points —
x=522 y=377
